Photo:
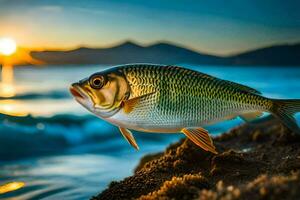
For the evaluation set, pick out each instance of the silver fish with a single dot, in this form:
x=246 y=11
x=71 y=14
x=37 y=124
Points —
x=172 y=99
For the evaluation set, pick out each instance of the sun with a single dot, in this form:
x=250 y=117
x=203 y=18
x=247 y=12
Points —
x=7 y=46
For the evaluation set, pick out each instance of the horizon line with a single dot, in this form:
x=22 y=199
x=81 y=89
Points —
x=145 y=45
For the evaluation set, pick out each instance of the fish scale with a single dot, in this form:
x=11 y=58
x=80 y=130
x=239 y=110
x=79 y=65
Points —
x=184 y=98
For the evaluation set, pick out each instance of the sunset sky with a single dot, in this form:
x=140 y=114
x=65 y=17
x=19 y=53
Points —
x=216 y=27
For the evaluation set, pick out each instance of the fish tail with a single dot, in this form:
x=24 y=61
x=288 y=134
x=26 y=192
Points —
x=285 y=109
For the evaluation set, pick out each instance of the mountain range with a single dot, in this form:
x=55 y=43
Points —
x=167 y=53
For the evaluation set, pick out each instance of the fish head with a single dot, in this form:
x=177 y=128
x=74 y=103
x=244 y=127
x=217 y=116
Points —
x=102 y=93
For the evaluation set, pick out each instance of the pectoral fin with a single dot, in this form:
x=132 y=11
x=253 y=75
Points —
x=248 y=117
x=129 y=137
x=130 y=104
x=201 y=138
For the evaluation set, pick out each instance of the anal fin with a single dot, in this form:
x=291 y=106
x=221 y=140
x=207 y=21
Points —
x=129 y=137
x=248 y=117
x=230 y=117
x=201 y=138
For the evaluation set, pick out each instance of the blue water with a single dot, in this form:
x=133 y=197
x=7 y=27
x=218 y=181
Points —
x=61 y=151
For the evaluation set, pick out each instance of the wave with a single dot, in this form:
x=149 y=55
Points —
x=26 y=136
x=34 y=136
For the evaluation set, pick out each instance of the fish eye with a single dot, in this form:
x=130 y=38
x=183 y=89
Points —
x=97 y=81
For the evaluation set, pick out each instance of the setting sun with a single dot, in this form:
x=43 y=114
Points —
x=7 y=46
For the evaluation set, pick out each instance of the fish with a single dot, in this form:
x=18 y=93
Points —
x=171 y=99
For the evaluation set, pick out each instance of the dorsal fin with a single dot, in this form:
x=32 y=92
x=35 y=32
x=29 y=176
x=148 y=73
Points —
x=244 y=87
x=248 y=117
x=236 y=85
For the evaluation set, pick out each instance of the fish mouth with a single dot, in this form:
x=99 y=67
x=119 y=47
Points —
x=75 y=91
x=81 y=97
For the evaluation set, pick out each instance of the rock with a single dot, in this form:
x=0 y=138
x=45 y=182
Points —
x=255 y=161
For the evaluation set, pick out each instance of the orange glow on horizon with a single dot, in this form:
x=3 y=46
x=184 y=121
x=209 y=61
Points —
x=11 y=55
x=20 y=57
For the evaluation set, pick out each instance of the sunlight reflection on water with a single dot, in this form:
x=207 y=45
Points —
x=45 y=107
x=68 y=175
x=12 y=186
x=7 y=88
x=13 y=108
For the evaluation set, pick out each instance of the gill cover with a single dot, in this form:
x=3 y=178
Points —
x=107 y=90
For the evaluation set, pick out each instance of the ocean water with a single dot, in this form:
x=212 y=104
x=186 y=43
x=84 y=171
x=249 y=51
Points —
x=60 y=151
